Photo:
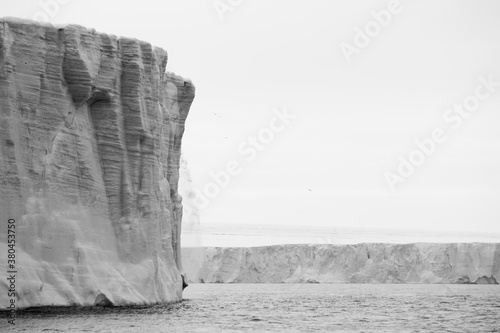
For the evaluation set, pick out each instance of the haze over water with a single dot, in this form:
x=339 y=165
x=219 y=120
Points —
x=246 y=235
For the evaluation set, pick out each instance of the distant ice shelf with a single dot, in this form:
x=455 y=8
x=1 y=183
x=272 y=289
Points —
x=360 y=263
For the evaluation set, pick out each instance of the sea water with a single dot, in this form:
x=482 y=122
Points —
x=288 y=308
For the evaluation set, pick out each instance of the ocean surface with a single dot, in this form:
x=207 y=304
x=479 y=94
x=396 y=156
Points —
x=288 y=308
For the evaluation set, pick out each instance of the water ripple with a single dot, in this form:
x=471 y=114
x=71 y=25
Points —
x=290 y=308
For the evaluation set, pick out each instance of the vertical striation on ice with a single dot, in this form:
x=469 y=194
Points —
x=90 y=136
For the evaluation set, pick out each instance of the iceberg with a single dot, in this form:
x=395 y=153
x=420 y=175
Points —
x=90 y=135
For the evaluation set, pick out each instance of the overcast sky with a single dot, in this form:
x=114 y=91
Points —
x=335 y=102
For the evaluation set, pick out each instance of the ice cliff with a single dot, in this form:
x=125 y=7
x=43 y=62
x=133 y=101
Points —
x=360 y=263
x=90 y=137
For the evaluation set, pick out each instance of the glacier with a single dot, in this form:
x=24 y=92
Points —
x=90 y=135
x=344 y=263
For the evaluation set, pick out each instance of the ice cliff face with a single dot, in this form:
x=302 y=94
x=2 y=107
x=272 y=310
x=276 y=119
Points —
x=90 y=138
x=361 y=263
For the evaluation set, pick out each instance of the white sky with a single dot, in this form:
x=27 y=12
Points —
x=352 y=121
